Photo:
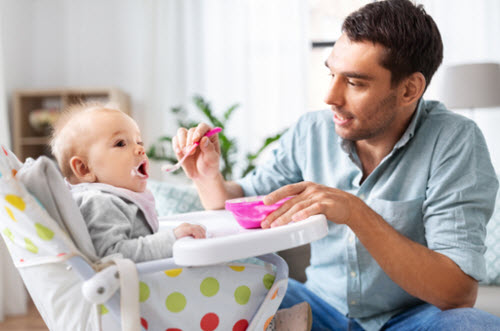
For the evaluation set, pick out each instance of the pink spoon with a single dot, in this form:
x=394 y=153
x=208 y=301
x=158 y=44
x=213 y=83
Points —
x=176 y=166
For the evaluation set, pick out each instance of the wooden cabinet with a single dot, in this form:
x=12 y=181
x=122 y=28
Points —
x=30 y=141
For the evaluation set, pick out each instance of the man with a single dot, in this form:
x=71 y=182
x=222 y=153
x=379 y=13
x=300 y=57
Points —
x=407 y=186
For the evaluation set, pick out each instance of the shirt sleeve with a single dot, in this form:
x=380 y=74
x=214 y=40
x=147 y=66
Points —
x=115 y=227
x=280 y=169
x=460 y=197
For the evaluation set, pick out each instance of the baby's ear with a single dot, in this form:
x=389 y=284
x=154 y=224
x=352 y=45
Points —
x=81 y=170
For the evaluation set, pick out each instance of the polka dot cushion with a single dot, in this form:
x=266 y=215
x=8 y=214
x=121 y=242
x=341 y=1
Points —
x=221 y=297
x=492 y=255
x=29 y=232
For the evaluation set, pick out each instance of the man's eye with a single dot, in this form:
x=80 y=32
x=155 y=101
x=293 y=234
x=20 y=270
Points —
x=356 y=84
x=120 y=143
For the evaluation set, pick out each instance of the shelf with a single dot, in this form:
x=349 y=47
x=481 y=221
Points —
x=35 y=140
x=30 y=143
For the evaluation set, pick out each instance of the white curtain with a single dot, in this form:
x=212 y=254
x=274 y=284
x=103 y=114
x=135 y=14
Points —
x=251 y=52
x=13 y=295
x=470 y=32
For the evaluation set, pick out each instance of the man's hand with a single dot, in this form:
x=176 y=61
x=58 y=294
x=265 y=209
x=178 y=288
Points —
x=204 y=161
x=311 y=199
x=203 y=166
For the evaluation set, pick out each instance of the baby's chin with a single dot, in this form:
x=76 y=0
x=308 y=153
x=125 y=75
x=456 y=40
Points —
x=134 y=188
x=140 y=189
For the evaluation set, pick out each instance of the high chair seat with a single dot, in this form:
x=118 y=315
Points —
x=49 y=245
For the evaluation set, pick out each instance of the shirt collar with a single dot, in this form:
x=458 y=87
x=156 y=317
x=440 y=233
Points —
x=412 y=127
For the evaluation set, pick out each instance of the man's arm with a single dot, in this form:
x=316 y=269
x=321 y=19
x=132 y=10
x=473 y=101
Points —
x=426 y=274
x=422 y=272
x=215 y=191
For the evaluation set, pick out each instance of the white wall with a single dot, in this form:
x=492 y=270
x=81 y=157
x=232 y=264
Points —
x=108 y=43
x=470 y=33
x=69 y=43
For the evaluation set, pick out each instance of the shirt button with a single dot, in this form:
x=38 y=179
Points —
x=353 y=274
x=362 y=196
x=351 y=238
x=353 y=302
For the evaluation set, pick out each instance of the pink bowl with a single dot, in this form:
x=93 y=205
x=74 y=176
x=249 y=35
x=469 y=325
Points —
x=249 y=212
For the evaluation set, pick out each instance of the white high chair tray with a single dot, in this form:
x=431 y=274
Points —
x=227 y=240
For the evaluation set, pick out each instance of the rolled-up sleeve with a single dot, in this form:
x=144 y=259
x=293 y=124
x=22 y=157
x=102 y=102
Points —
x=460 y=197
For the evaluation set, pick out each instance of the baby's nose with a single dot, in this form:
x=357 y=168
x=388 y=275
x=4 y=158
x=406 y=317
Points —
x=140 y=150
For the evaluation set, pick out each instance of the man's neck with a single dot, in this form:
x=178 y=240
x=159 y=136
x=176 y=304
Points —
x=372 y=151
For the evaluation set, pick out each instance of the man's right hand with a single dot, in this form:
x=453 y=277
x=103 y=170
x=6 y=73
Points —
x=203 y=163
x=203 y=166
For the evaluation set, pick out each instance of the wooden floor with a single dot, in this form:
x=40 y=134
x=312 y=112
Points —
x=30 y=322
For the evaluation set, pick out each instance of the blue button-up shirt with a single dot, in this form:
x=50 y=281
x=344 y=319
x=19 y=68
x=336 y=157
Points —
x=437 y=187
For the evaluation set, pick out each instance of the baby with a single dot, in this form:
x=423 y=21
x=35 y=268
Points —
x=100 y=152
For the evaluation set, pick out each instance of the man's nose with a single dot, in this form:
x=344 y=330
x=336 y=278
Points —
x=335 y=93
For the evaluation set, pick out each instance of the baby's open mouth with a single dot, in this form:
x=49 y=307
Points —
x=141 y=170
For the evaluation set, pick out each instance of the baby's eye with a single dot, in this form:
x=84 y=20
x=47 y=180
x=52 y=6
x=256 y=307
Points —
x=120 y=143
x=140 y=143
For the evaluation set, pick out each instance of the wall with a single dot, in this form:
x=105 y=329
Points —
x=108 y=43
x=470 y=34
x=66 y=43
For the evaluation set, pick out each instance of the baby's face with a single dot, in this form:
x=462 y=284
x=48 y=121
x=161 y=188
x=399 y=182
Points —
x=116 y=153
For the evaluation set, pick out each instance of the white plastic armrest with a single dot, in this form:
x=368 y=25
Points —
x=101 y=286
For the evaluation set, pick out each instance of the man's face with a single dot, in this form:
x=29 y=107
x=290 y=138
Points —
x=115 y=152
x=360 y=95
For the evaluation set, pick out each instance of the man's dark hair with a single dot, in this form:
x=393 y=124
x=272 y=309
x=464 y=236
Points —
x=408 y=33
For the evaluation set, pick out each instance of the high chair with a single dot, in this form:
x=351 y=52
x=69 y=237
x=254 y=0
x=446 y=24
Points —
x=197 y=289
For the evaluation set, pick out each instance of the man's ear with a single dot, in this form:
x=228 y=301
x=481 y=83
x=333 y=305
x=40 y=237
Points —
x=412 y=88
x=81 y=170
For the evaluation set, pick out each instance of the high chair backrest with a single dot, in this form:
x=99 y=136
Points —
x=43 y=179
x=31 y=234
x=40 y=248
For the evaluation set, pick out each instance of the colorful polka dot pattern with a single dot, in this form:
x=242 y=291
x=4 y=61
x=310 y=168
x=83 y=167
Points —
x=223 y=297
x=143 y=291
x=43 y=232
x=176 y=302
x=209 y=287
x=26 y=227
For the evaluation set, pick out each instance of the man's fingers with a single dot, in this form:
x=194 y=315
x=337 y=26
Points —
x=279 y=212
x=200 y=131
x=181 y=137
x=189 y=140
x=283 y=192
x=309 y=211
x=288 y=215
x=176 y=148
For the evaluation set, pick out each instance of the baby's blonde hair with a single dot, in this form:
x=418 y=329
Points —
x=67 y=128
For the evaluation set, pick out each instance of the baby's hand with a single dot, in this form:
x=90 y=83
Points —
x=187 y=229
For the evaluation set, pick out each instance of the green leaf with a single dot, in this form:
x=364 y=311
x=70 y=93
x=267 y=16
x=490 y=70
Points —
x=207 y=111
x=229 y=112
